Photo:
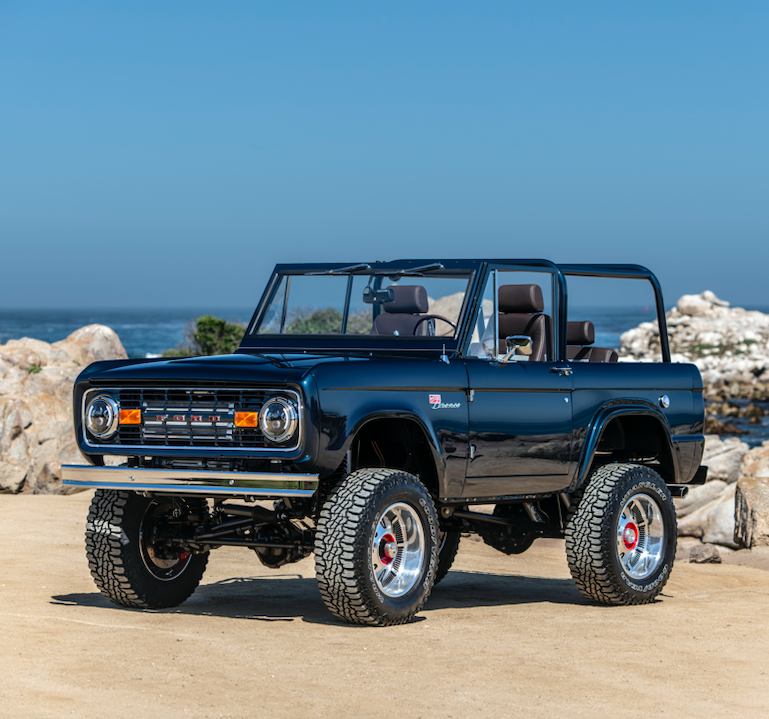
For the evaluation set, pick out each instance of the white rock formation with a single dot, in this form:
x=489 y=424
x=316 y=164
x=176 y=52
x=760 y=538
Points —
x=708 y=510
x=726 y=343
x=752 y=499
x=723 y=457
x=712 y=521
x=752 y=512
x=36 y=379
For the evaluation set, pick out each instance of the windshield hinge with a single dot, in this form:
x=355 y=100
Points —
x=470 y=395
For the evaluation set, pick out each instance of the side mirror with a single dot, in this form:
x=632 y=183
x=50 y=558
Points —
x=517 y=345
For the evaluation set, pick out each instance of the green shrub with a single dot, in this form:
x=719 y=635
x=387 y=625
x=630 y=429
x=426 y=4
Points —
x=209 y=336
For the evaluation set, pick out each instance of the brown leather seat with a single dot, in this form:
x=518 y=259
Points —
x=402 y=315
x=520 y=313
x=579 y=337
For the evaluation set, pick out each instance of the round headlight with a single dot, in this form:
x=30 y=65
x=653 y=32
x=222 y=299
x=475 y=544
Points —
x=278 y=419
x=101 y=416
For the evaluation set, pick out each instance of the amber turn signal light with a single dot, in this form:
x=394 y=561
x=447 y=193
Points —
x=246 y=419
x=130 y=416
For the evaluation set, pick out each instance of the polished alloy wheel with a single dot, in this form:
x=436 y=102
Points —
x=640 y=536
x=398 y=550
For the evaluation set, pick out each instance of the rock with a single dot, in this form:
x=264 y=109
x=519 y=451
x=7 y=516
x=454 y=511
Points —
x=91 y=344
x=723 y=457
x=717 y=426
x=698 y=497
x=710 y=297
x=755 y=463
x=752 y=412
x=752 y=512
x=705 y=554
x=730 y=345
x=720 y=526
x=712 y=522
x=36 y=380
x=693 y=305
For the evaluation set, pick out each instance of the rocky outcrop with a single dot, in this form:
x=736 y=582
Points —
x=707 y=512
x=755 y=463
x=730 y=345
x=752 y=499
x=724 y=457
x=711 y=518
x=752 y=512
x=36 y=381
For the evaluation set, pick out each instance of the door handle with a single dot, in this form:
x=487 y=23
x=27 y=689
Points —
x=563 y=371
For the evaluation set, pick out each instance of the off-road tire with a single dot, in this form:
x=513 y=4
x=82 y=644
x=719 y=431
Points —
x=117 y=527
x=447 y=552
x=592 y=535
x=345 y=539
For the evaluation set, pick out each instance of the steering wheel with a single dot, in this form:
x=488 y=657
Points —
x=424 y=318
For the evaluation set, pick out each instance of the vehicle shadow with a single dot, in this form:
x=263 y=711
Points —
x=291 y=597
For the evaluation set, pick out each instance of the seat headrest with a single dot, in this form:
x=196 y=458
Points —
x=409 y=299
x=521 y=299
x=580 y=333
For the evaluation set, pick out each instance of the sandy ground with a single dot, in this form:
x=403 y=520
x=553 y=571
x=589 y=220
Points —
x=504 y=637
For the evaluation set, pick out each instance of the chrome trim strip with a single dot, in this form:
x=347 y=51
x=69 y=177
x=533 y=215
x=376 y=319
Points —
x=191 y=481
x=146 y=449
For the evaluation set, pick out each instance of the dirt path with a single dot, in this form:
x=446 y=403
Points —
x=506 y=637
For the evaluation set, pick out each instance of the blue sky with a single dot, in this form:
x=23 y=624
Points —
x=168 y=154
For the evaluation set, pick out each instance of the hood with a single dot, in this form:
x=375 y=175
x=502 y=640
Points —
x=246 y=368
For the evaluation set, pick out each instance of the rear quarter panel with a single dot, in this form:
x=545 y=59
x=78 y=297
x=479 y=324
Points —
x=600 y=385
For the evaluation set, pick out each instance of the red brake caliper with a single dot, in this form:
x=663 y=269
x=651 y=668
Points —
x=388 y=548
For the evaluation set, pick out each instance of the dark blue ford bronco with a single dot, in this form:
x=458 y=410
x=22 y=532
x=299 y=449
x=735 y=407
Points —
x=368 y=414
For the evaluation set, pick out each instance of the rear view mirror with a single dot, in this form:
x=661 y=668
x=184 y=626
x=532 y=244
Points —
x=377 y=297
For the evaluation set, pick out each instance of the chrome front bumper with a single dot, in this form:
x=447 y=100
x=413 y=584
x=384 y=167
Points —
x=191 y=481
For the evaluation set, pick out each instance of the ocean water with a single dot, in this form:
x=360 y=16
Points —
x=146 y=332
x=143 y=332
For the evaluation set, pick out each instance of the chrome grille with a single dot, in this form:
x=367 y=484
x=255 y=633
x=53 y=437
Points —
x=194 y=417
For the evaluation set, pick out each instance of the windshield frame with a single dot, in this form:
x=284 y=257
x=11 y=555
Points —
x=293 y=344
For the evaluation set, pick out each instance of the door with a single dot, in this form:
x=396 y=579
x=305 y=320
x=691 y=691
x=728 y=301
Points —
x=520 y=428
x=520 y=416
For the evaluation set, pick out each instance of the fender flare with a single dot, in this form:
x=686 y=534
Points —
x=402 y=414
x=596 y=429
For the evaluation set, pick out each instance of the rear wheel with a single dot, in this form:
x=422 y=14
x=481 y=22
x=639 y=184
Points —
x=130 y=561
x=376 y=547
x=621 y=536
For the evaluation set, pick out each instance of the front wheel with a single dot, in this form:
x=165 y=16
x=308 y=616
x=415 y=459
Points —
x=376 y=547
x=130 y=560
x=621 y=536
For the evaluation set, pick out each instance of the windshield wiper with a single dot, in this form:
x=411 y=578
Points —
x=343 y=270
x=413 y=271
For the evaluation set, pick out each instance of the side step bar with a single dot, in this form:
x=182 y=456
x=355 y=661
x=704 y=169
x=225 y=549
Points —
x=191 y=481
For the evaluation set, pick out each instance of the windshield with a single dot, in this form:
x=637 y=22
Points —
x=365 y=305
